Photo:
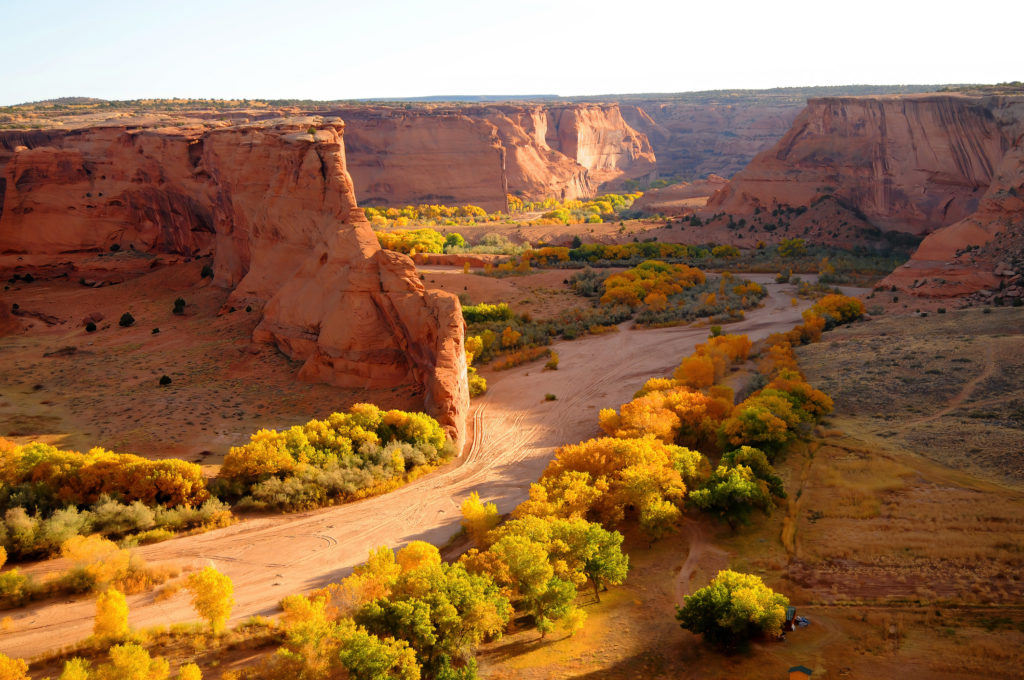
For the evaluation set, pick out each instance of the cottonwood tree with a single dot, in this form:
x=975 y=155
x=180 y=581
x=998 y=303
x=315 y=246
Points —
x=132 y=662
x=732 y=609
x=111 y=621
x=212 y=596
x=13 y=669
x=190 y=671
x=479 y=518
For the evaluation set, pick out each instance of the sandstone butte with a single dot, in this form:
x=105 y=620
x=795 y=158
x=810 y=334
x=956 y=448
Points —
x=275 y=206
x=948 y=167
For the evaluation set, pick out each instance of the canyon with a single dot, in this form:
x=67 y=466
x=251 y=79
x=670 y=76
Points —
x=476 y=154
x=944 y=166
x=273 y=203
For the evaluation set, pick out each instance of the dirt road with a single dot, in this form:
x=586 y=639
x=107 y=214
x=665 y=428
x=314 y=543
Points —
x=515 y=432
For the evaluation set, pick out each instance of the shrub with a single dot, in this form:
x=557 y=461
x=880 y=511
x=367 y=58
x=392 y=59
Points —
x=126 y=320
x=207 y=271
x=477 y=383
x=165 y=380
x=550 y=397
x=16 y=588
x=518 y=357
x=179 y=306
x=485 y=312
x=90 y=327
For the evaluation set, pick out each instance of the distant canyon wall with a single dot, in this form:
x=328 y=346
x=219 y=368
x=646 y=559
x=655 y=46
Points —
x=477 y=154
x=945 y=166
x=693 y=140
x=276 y=207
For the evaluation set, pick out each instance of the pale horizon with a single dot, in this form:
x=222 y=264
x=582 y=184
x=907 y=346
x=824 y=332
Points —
x=397 y=49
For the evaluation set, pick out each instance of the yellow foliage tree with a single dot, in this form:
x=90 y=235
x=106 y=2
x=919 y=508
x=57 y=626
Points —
x=696 y=371
x=13 y=669
x=212 y=596
x=190 y=671
x=656 y=301
x=74 y=669
x=474 y=346
x=98 y=557
x=478 y=518
x=510 y=337
x=111 y=621
x=133 y=662
x=417 y=554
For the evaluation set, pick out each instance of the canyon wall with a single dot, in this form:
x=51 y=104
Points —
x=477 y=154
x=907 y=163
x=945 y=165
x=696 y=139
x=275 y=206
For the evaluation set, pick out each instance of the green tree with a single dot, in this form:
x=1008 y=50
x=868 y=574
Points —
x=454 y=240
x=317 y=647
x=732 y=609
x=443 y=612
x=732 y=494
x=596 y=551
x=757 y=461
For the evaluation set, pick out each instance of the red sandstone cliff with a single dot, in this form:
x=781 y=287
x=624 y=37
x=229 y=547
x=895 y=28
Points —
x=478 y=154
x=911 y=163
x=981 y=252
x=697 y=139
x=276 y=207
x=943 y=165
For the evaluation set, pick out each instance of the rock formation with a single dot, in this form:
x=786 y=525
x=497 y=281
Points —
x=275 y=206
x=942 y=164
x=696 y=139
x=478 y=154
x=980 y=253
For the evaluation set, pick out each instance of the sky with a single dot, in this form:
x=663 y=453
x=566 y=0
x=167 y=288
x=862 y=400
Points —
x=313 y=49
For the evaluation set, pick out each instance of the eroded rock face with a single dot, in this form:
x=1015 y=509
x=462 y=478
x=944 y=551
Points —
x=911 y=163
x=694 y=140
x=276 y=207
x=944 y=166
x=978 y=253
x=479 y=154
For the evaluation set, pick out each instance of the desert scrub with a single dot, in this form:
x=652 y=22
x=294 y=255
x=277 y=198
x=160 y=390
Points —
x=568 y=325
x=331 y=460
x=725 y=298
x=50 y=495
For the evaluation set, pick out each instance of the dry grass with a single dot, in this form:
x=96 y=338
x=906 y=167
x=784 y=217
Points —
x=948 y=386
